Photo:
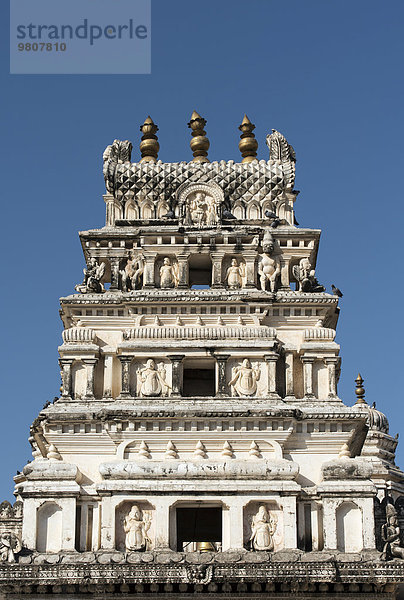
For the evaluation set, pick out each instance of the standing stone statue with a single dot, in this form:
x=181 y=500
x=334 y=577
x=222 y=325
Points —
x=92 y=278
x=391 y=535
x=132 y=274
x=269 y=267
x=244 y=379
x=152 y=380
x=262 y=530
x=136 y=528
x=168 y=274
x=235 y=274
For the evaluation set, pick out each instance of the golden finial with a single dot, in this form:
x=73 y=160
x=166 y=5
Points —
x=149 y=145
x=248 y=145
x=199 y=142
x=360 y=390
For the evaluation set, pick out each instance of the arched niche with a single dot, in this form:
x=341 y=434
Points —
x=200 y=270
x=349 y=527
x=253 y=211
x=49 y=528
x=162 y=209
x=147 y=512
x=79 y=379
x=238 y=210
x=131 y=210
x=274 y=522
x=147 y=210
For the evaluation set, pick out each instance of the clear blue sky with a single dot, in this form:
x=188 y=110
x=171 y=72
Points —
x=326 y=74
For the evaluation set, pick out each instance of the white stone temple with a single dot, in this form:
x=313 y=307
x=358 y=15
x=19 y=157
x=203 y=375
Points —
x=199 y=443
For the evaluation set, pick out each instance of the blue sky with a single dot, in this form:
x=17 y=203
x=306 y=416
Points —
x=328 y=75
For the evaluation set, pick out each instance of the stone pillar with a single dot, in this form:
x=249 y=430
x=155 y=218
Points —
x=221 y=389
x=331 y=363
x=368 y=523
x=125 y=380
x=107 y=523
x=216 y=269
x=90 y=364
x=289 y=522
x=233 y=534
x=68 y=506
x=308 y=376
x=330 y=523
x=183 y=270
x=250 y=258
x=114 y=262
x=271 y=360
x=148 y=273
x=176 y=385
x=162 y=522
x=108 y=372
x=66 y=366
x=289 y=381
x=29 y=523
x=285 y=283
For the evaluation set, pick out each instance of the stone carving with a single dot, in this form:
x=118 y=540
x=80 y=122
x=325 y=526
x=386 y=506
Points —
x=279 y=148
x=236 y=275
x=200 y=209
x=305 y=276
x=263 y=527
x=152 y=381
x=269 y=266
x=6 y=510
x=92 y=278
x=391 y=535
x=244 y=379
x=169 y=276
x=117 y=153
x=136 y=525
x=10 y=545
x=132 y=274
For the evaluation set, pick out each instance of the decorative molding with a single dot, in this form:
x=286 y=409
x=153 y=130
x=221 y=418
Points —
x=79 y=335
x=200 y=333
x=319 y=333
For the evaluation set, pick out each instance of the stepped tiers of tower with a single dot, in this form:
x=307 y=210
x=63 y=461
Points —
x=199 y=443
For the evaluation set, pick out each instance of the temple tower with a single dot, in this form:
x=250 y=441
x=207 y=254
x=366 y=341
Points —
x=199 y=442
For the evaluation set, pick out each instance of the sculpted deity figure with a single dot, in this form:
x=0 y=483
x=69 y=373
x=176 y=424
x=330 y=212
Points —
x=152 y=381
x=169 y=276
x=92 y=278
x=235 y=274
x=391 y=535
x=244 y=379
x=201 y=210
x=263 y=528
x=136 y=527
x=132 y=274
x=10 y=545
x=269 y=267
x=305 y=276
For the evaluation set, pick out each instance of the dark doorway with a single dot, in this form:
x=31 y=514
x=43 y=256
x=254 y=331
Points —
x=200 y=271
x=199 y=379
x=198 y=524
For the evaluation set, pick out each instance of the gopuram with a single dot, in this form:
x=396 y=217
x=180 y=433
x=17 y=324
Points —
x=199 y=445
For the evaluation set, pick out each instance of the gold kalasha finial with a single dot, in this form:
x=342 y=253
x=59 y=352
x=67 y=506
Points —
x=360 y=390
x=199 y=142
x=149 y=145
x=248 y=145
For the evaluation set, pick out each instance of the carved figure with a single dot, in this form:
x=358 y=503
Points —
x=169 y=276
x=92 y=278
x=6 y=510
x=235 y=274
x=391 y=535
x=269 y=267
x=305 y=276
x=263 y=528
x=132 y=274
x=152 y=380
x=10 y=545
x=244 y=379
x=201 y=210
x=136 y=527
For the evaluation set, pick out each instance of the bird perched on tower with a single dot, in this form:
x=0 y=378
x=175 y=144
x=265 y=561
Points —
x=336 y=291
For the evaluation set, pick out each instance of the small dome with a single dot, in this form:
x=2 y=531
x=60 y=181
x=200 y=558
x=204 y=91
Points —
x=377 y=421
